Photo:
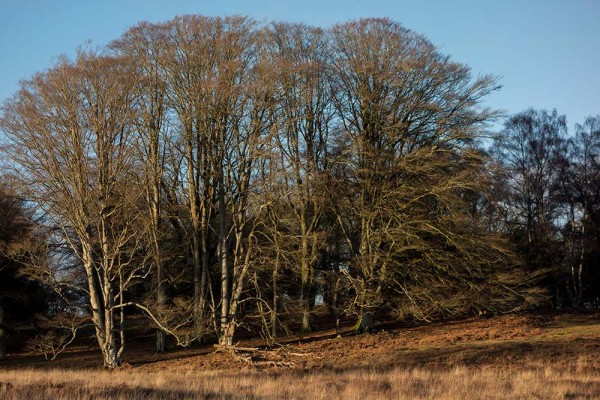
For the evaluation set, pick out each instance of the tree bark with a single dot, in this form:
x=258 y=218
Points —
x=275 y=297
x=366 y=322
x=225 y=296
x=306 y=279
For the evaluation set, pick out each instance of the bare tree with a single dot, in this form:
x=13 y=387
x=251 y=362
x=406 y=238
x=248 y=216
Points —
x=578 y=188
x=144 y=47
x=212 y=72
x=409 y=116
x=304 y=119
x=182 y=64
x=246 y=136
x=531 y=149
x=70 y=132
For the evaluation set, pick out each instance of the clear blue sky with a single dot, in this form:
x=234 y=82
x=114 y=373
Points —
x=547 y=52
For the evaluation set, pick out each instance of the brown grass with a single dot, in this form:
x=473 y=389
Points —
x=514 y=356
x=457 y=383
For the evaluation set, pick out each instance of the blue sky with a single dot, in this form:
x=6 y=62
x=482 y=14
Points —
x=546 y=52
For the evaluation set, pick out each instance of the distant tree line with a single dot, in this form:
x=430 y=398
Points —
x=212 y=173
x=547 y=193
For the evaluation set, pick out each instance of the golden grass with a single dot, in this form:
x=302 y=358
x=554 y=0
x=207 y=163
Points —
x=524 y=357
x=457 y=383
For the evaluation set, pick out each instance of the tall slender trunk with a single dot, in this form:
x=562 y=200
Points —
x=580 y=266
x=111 y=342
x=161 y=300
x=368 y=261
x=196 y=226
x=275 y=296
x=241 y=265
x=204 y=282
x=225 y=296
x=305 y=282
x=94 y=288
x=160 y=284
x=102 y=305
x=155 y=211
x=308 y=257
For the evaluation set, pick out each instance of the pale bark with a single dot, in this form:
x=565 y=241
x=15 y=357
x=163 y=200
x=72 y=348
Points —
x=71 y=135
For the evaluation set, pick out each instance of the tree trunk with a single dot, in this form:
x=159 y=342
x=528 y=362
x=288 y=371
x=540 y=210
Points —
x=306 y=282
x=366 y=322
x=225 y=296
x=111 y=341
x=161 y=294
x=580 y=268
x=205 y=278
x=275 y=298
x=160 y=341
x=227 y=332
x=2 y=335
x=161 y=299
x=110 y=352
x=305 y=317
x=194 y=207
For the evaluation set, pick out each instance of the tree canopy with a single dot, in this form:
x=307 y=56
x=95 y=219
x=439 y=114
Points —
x=213 y=172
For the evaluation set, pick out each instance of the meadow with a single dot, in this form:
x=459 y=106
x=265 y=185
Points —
x=544 y=356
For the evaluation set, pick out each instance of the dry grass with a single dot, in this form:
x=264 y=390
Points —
x=526 y=357
x=457 y=383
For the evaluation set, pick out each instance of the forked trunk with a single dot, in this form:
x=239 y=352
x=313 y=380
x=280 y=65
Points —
x=110 y=353
x=101 y=304
x=111 y=343
x=227 y=332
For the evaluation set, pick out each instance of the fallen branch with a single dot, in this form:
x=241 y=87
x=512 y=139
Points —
x=220 y=347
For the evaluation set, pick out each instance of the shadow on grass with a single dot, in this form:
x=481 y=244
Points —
x=74 y=391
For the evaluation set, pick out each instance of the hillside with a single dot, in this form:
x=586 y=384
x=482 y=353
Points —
x=544 y=355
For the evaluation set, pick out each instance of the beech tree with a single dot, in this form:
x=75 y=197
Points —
x=304 y=120
x=70 y=139
x=409 y=118
x=216 y=87
x=188 y=63
x=143 y=46
x=246 y=135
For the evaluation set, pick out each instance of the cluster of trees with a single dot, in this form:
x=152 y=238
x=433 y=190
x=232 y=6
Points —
x=214 y=172
x=548 y=190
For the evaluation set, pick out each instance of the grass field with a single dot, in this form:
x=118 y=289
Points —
x=456 y=383
x=543 y=356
